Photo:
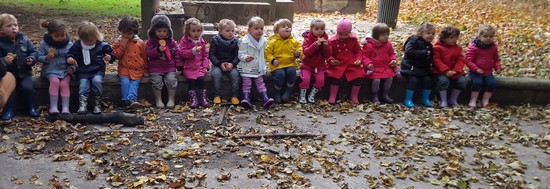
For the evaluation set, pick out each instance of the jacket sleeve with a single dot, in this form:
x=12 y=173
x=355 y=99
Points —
x=392 y=55
x=42 y=52
x=268 y=54
x=326 y=50
x=357 y=51
x=460 y=63
x=151 y=51
x=74 y=52
x=310 y=48
x=298 y=46
x=185 y=50
x=143 y=54
x=438 y=61
x=471 y=54
x=107 y=50
x=205 y=54
x=32 y=52
x=366 y=55
x=330 y=55
x=118 y=50
x=413 y=53
x=498 y=66
x=243 y=53
x=212 y=54
x=236 y=59
x=3 y=69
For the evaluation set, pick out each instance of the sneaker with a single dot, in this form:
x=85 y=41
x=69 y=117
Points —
x=134 y=104
x=235 y=101
x=217 y=100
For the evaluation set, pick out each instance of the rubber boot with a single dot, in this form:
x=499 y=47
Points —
x=267 y=101
x=277 y=95
x=97 y=104
x=311 y=97
x=354 y=94
x=65 y=105
x=82 y=104
x=53 y=104
x=33 y=112
x=375 y=89
x=303 y=96
x=408 y=99
x=426 y=98
x=443 y=95
x=386 y=93
x=158 y=98
x=193 y=98
x=486 y=97
x=171 y=96
x=453 y=101
x=9 y=109
x=285 y=97
x=333 y=94
x=204 y=101
x=473 y=99
x=245 y=102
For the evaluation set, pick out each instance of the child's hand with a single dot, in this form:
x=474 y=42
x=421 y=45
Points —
x=450 y=73
x=162 y=48
x=228 y=66
x=370 y=67
x=393 y=63
x=398 y=75
x=498 y=71
x=29 y=61
x=357 y=63
x=198 y=49
x=321 y=41
x=9 y=58
x=70 y=71
x=296 y=53
x=275 y=62
x=72 y=61
x=249 y=58
x=479 y=71
x=334 y=62
x=204 y=70
x=49 y=56
x=107 y=58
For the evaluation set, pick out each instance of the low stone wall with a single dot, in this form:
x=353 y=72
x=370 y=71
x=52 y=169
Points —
x=343 y=6
x=510 y=91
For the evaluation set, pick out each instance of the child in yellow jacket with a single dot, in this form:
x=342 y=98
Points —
x=281 y=53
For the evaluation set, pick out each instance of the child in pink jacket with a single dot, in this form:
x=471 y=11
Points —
x=316 y=51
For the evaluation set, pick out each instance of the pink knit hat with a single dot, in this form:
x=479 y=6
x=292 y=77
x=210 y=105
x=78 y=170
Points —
x=344 y=25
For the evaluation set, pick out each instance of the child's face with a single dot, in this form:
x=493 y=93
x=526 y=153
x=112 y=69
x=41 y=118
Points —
x=451 y=40
x=195 y=31
x=487 y=37
x=58 y=36
x=285 y=31
x=256 y=30
x=343 y=35
x=127 y=35
x=318 y=29
x=161 y=33
x=384 y=37
x=228 y=32
x=89 y=42
x=428 y=36
x=10 y=29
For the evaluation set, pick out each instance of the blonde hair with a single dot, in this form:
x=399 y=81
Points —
x=485 y=28
x=6 y=18
x=226 y=22
x=188 y=23
x=316 y=21
x=88 y=30
x=255 y=20
x=424 y=27
x=281 y=23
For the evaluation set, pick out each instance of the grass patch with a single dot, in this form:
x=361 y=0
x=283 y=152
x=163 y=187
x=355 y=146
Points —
x=94 y=7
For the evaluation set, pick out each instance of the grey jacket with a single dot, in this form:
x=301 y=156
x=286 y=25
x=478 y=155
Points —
x=250 y=47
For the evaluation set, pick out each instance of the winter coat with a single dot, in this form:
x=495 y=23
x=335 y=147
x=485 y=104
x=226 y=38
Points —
x=250 y=47
x=224 y=50
x=486 y=59
x=314 y=55
x=97 y=64
x=281 y=49
x=23 y=48
x=56 y=66
x=193 y=63
x=448 y=57
x=131 y=58
x=417 y=61
x=347 y=51
x=379 y=55
x=161 y=62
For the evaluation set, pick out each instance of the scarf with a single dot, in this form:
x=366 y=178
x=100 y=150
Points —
x=225 y=42
x=56 y=44
x=262 y=67
x=482 y=45
x=86 y=53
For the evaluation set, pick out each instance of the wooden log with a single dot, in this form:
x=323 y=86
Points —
x=109 y=117
x=281 y=135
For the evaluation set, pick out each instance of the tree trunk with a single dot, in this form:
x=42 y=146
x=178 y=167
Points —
x=387 y=12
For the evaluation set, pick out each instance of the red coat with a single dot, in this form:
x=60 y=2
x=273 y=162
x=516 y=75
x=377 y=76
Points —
x=448 y=58
x=379 y=55
x=314 y=55
x=347 y=51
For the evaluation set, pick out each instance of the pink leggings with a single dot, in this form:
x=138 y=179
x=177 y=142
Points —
x=56 y=84
x=306 y=78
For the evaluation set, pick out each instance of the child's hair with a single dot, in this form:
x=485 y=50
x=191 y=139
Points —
x=5 y=18
x=424 y=27
x=188 y=23
x=379 y=29
x=485 y=28
x=128 y=24
x=226 y=22
x=316 y=21
x=255 y=20
x=281 y=23
x=449 y=31
x=88 y=31
x=53 y=26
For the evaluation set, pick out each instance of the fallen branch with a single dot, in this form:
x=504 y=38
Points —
x=222 y=115
x=109 y=117
x=281 y=135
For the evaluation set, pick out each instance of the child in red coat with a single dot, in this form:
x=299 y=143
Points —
x=316 y=51
x=380 y=61
x=345 y=60
x=449 y=65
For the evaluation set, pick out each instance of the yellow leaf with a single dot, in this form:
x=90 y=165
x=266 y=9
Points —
x=164 y=168
x=296 y=176
x=265 y=158
x=6 y=137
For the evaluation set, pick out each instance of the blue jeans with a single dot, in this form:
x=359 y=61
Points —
x=129 y=88
x=479 y=81
x=284 y=76
x=233 y=75
x=96 y=85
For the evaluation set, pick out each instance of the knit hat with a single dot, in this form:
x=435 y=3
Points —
x=160 y=21
x=344 y=25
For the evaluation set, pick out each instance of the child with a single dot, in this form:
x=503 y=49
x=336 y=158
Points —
x=129 y=49
x=380 y=61
x=53 y=54
x=194 y=61
x=316 y=51
x=482 y=57
x=449 y=65
x=345 y=61
x=252 y=65
x=89 y=55
x=161 y=52
x=19 y=55
x=281 y=52
x=224 y=55
x=417 y=62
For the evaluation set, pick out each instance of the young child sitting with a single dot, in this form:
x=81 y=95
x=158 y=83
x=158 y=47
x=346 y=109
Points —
x=316 y=51
x=224 y=55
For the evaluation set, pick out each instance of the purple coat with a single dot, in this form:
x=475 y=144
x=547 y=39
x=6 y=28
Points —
x=158 y=62
x=193 y=64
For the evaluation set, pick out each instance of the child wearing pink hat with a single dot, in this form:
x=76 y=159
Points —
x=345 y=61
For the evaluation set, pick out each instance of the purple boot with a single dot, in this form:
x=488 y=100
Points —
x=204 y=100
x=245 y=102
x=267 y=101
x=193 y=98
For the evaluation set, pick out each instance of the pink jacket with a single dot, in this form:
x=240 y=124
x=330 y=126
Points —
x=314 y=55
x=379 y=55
x=485 y=59
x=347 y=51
x=193 y=64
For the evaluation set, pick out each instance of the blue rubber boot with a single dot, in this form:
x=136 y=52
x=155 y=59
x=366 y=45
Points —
x=426 y=97
x=408 y=99
x=9 y=109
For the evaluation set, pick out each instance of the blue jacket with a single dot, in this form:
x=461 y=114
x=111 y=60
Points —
x=97 y=65
x=24 y=49
x=57 y=66
x=224 y=50
x=416 y=61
